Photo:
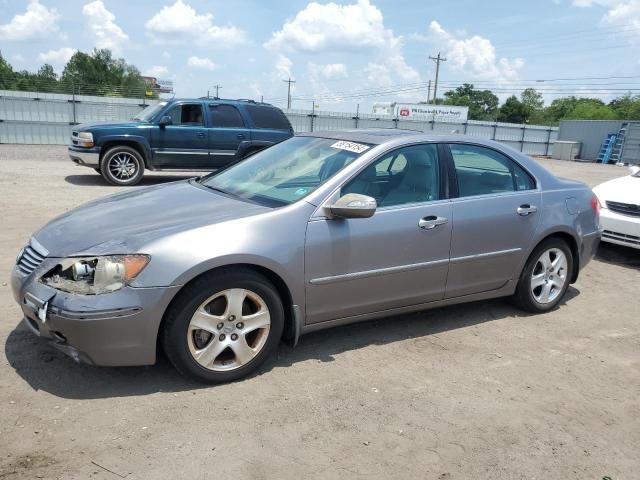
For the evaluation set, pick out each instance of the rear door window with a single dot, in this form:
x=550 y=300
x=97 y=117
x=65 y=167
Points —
x=483 y=171
x=225 y=116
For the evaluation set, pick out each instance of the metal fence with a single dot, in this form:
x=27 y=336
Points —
x=530 y=139
x=47 y=118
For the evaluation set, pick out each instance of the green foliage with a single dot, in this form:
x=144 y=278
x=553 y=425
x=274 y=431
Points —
x=513 y=111
x=95 y=73
x=483 y=104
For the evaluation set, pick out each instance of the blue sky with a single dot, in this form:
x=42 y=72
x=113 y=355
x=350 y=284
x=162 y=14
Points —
x=341 y=53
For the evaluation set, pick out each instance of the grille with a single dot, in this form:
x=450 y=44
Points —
x=624 y=208
x=621 y=237
x=31 y=257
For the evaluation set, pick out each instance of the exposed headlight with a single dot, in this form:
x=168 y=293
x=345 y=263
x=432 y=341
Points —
x=95 y=275
x=85 y=139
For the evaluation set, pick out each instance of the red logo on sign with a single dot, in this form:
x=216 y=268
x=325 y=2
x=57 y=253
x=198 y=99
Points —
x=404 y=112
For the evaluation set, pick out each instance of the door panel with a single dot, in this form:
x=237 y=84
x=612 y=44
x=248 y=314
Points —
x=180 y=146
x=489 y=235
x=488 y=241
x=359 y=266
x=184 y=143
x=227 y=130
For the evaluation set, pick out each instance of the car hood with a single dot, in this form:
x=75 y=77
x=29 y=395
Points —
x=623 y=189
x=124 y=223
x=105 y=125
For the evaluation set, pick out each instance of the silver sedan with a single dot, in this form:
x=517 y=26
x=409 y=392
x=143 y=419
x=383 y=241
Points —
x=321 y=230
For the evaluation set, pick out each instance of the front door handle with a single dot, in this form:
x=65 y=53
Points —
x=431 y=222
x=201 y=134
x=526 y=209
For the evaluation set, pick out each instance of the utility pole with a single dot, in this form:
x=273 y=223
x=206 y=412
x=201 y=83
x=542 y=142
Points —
x=437 y=59
x=217 y=87
x=428 y=92
x=289 y=82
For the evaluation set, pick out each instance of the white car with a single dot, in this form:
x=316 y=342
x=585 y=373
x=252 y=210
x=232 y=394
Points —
x=620 y=214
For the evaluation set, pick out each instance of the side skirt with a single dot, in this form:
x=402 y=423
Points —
x=505 y=291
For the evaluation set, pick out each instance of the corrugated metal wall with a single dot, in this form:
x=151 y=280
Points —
x=39 y=118
x=591 y=133
x=47 y=118
x=631 y=147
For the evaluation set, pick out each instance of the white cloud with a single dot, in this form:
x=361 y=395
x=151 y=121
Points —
x=36 y=22
x=156 y=71
x=330 y=71
x=474 y=56
x=392 y=70
x=102 y=23
x=200 y=62
x=624 y=14
x=57 y=58
x=283 y=66
x=331 y=26
x=180 y=23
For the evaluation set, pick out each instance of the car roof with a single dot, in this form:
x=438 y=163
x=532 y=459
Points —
x=379 y=136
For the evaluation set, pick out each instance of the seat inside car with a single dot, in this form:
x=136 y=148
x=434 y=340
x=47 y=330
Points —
x=419 y=182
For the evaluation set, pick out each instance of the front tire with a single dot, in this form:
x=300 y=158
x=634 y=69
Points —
x=122 y=166
x=223 y=326
x=545 y=277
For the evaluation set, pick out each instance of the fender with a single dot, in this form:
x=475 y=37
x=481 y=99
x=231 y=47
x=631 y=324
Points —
x=142 y=141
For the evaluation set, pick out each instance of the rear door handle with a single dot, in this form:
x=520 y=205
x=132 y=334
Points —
x=526 y=209
x=241 y=135
x=201 y=134
x=431 y=222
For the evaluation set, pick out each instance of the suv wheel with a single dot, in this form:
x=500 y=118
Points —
x=122 y=166
x=546 y=276
x=223 y=326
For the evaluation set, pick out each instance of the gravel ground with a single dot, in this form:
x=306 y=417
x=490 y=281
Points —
x=472 y=391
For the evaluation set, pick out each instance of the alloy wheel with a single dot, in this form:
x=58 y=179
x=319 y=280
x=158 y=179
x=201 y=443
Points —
x=123 y=166
x=549 y=275
x=228 y=329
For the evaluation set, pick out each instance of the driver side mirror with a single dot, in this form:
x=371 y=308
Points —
x=634 y=171
x=354 y=205
x=164 y=121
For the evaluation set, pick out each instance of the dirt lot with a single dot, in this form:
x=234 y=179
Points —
x=473 y=391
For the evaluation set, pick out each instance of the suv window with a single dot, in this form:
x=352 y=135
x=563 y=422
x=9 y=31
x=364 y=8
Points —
x=225 y=116
x=407 y=175
x=483 y=171
x=268 y=117
x=186 y=114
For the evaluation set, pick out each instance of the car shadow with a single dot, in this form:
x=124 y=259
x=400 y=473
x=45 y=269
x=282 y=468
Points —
x=150 y=179
x=45 y=368
x=619 y=255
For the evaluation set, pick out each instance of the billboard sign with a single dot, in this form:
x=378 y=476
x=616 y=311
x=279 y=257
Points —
x=442 y=113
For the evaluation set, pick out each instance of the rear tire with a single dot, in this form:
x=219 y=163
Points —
x=242 y=318
x=545 y=277
x=122 y=166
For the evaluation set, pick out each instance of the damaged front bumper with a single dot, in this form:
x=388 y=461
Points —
x=113 y=329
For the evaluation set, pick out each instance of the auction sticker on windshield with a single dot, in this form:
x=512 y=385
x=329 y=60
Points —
x=350 y=146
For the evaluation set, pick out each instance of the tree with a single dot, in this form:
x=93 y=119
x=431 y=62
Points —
x=482 y=104
x=98 y=73
x=532 y=101
x=512 y=111
x=626 y=107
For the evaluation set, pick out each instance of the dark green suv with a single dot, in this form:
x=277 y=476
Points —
x=201 y=134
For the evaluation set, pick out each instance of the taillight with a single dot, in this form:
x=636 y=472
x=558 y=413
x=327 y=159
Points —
x=595 y=204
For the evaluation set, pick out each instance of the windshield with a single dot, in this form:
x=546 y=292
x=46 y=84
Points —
x=286 y=172
x=150 y=112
